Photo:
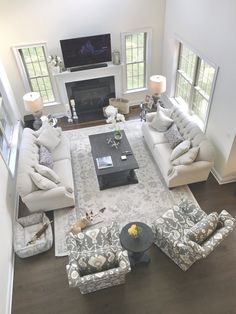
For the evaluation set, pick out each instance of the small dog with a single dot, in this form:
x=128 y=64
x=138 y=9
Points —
x=82 y=223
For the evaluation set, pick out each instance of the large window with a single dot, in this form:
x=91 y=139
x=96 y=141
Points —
x=6 y=131
x=33 y=63
x=135 y=52
x=194 y=82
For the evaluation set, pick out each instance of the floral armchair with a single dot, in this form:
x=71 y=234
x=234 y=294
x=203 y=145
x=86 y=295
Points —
x=186 y=233
x=96 y=259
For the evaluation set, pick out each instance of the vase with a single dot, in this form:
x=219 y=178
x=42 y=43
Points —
x=117 y=132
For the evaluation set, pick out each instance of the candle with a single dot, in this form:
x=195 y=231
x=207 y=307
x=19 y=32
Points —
x=72 y=102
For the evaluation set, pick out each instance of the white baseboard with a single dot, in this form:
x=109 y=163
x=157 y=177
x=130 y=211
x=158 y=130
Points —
x=221 y=180
x=12 y=266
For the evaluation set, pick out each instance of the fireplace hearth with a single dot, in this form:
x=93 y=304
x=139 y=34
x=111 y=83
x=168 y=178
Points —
x=91 y=96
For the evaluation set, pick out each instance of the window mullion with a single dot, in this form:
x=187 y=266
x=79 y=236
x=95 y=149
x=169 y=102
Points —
x=4 y=134
x=193 y=84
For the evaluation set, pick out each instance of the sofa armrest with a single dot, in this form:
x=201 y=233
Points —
x=52 y=199
x=150 y=116
x=185 y=174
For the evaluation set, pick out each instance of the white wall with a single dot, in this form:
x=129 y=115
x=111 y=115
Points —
x=209 y=27
x=30 y=21
x=7 y=205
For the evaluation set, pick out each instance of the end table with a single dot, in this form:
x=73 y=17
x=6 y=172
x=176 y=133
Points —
x=137 y=247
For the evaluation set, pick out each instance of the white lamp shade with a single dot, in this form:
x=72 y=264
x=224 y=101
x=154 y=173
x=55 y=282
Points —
x=33 y=102
x=158 y=84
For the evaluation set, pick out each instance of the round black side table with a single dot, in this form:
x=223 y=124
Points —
x=137 y=247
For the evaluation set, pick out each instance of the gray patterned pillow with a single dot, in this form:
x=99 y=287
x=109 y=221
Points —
x=97 y=261
x=203 y=229
x=173 y=136
x=45 y=157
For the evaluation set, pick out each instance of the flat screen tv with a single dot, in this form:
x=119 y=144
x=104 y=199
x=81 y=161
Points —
x=86 y=50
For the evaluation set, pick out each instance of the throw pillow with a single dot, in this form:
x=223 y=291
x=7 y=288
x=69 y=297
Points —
x=49 y=138
x=47 y=173
x=166 y=111
x=180 y=149
x=187 y=158
x=45 y=157
x=97 y=261
x=41 y=182
x=173 y=136
x=203 y=229
x=161 y=122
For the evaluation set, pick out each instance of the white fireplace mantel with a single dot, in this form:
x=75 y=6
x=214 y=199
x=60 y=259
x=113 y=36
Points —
x=83 y=75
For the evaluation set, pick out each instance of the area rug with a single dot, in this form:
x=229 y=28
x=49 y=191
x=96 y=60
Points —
x=144 y=201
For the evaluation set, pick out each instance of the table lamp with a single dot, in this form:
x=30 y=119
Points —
x=33 y=103
x=158 y=86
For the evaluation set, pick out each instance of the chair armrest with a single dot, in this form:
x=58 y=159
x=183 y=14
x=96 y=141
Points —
x=123 y=261
x=74 y=278
x=219 y=235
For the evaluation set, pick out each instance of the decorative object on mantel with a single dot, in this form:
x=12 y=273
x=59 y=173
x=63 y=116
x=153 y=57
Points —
x=55 y=64
x=114 y=117
x=74 y=114
x=158 y=86
x=33 y=103
x=116 y=57
x=68 y=113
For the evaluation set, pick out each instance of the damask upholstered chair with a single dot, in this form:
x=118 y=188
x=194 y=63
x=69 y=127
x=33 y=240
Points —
x=96 y=259
x=186 y=233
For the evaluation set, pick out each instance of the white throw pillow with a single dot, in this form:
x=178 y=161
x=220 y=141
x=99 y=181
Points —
x=49 y=139
x=41 y=182
x=186 y=158
x=161 y=122
x=166 y=111
x=47 y=173
x=180 y=150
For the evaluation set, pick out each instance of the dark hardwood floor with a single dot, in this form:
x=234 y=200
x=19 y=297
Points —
x=40 y=282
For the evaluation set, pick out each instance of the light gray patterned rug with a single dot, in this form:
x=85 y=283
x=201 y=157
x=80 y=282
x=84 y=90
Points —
x=144 y=201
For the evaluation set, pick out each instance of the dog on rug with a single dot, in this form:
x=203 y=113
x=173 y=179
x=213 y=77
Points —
x=85 y=221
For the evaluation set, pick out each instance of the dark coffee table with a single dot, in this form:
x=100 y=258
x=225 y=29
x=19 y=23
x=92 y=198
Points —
x=137 y=247
x=122 y=172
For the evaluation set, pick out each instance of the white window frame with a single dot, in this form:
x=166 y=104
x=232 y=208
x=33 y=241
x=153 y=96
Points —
x=21 y=66
x=147 y=62
x=13 y=142
x=203 y=125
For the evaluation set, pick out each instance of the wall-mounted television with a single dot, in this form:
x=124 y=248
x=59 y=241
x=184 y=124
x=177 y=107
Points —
x=86 y=50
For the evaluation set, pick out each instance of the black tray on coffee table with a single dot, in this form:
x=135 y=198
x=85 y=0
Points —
x=122 y=172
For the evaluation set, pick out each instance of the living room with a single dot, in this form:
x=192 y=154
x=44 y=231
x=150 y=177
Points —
x=207 y=28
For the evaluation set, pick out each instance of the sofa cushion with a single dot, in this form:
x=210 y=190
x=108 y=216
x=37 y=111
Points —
x=41 y=182
x=47 y=173
x=203 y=229
x=161 y=122
x=64 y=170
x=162 y=154
x=173 y=136
x=49 y=139
x=62 y=150
x=166 y=111
x=91 y=262
x=206 y=151
x=45 y=157
x=186 y=158
x=180 y=149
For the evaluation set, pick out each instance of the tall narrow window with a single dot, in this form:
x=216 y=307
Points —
x=135 y=46
x=194 y=82
x=6 y=131
x=34 y=65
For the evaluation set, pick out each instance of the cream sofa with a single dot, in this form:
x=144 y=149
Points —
x=160 y=148
x=44 y=200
